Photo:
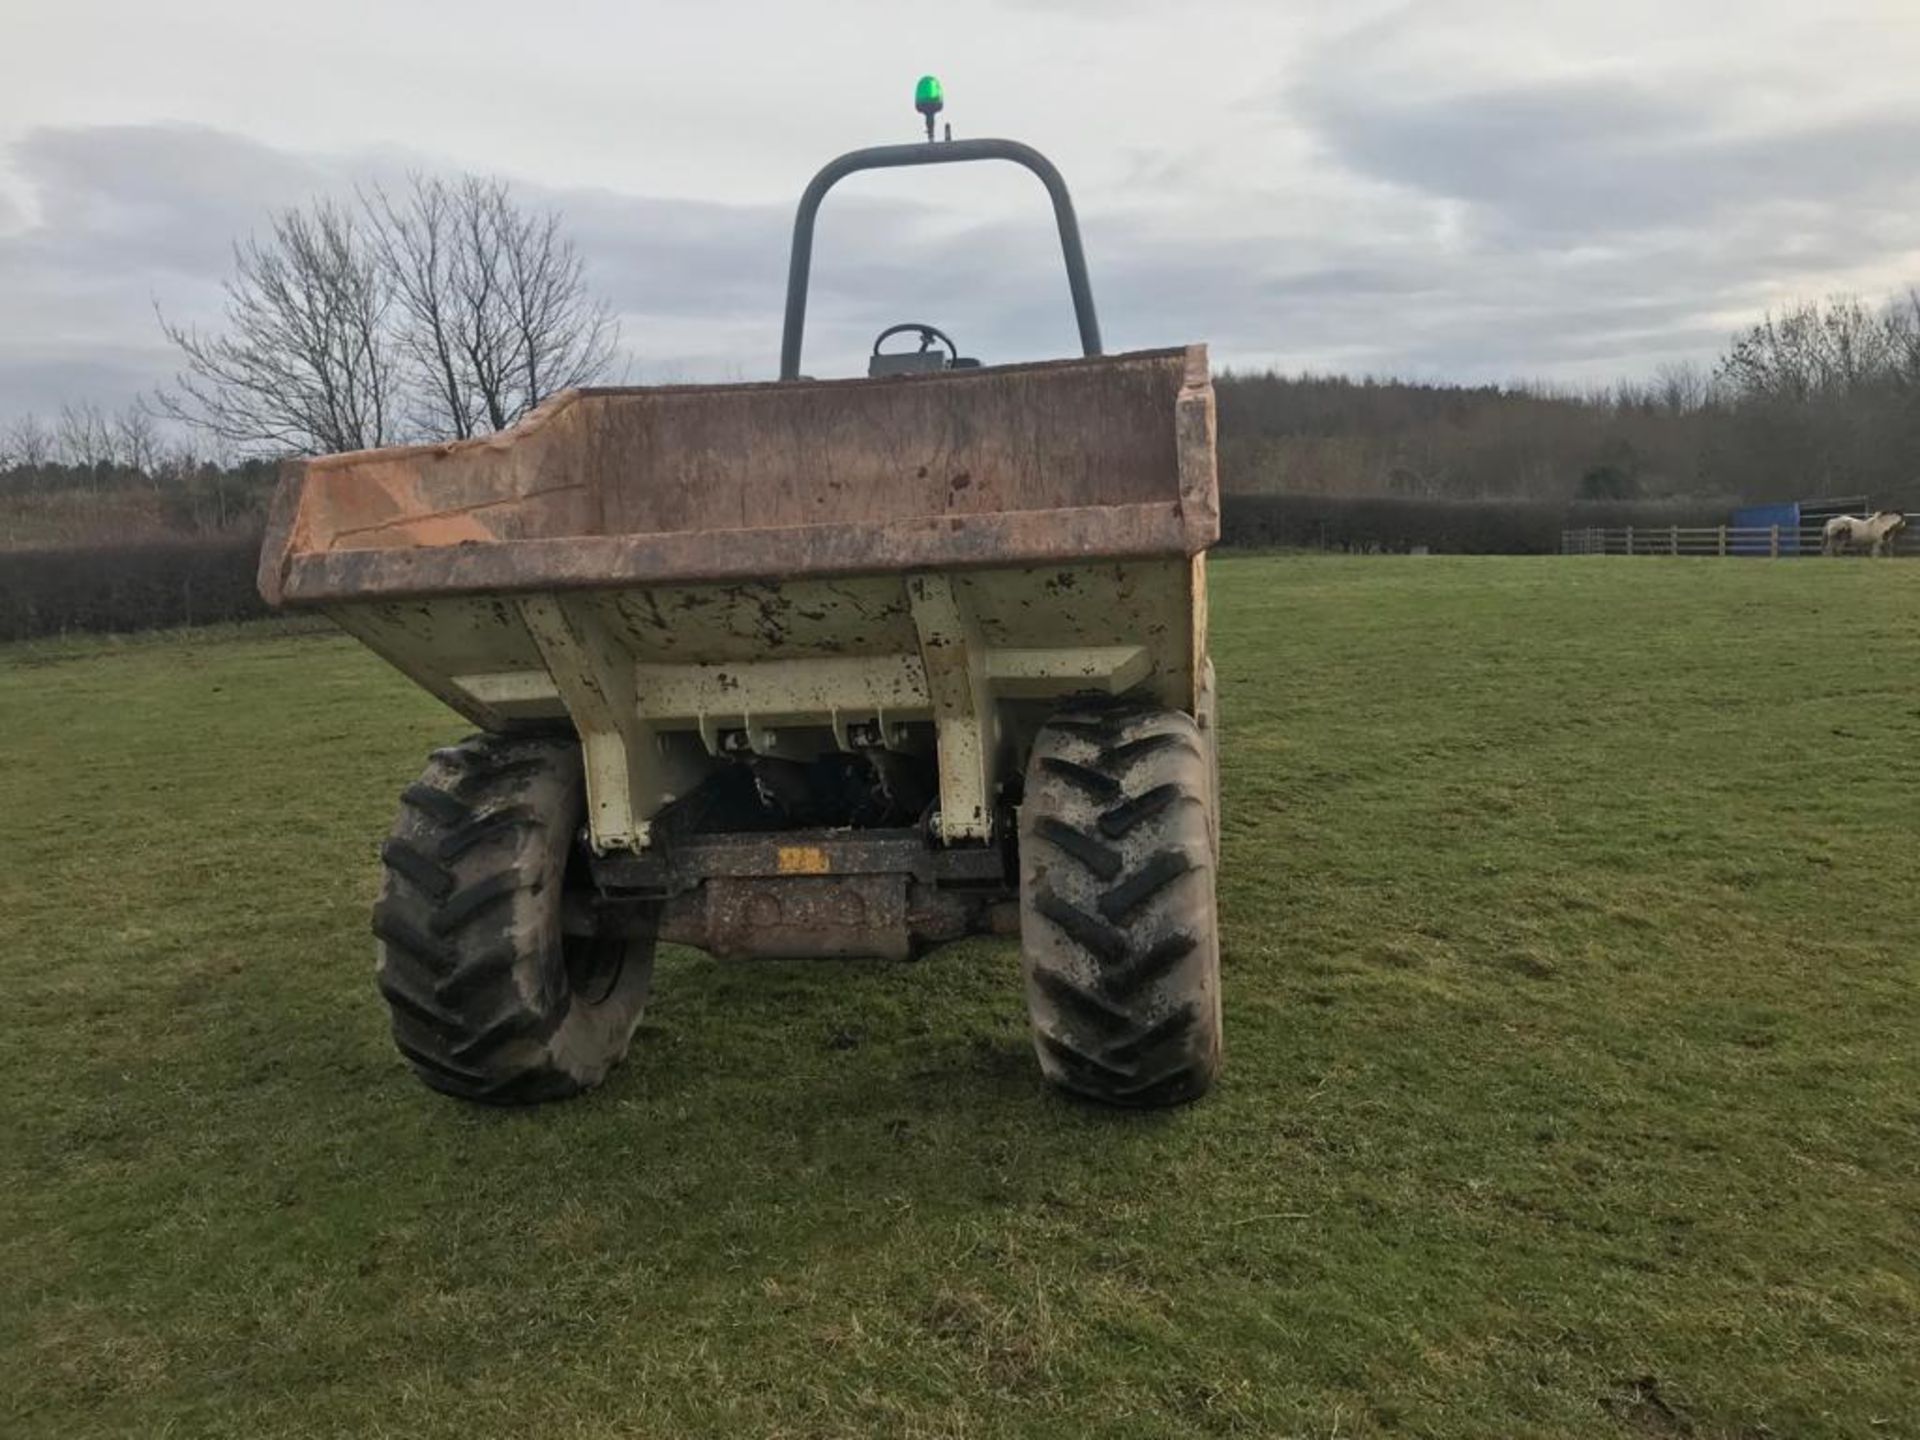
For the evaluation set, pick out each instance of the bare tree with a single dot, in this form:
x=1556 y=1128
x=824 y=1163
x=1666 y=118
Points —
x=418 y=248
x=446 y=313
x=1813 y=350
x=562 y=336
x=28 y=444
x=83 y=438
x=306 y=363
x=136 y=440
x=495 y=314
x=1903 y=326
x=1681 y=387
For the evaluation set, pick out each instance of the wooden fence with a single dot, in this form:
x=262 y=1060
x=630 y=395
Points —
x=1778 y=541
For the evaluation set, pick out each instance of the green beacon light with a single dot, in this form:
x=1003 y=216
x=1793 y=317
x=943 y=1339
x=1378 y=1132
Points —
x=929 y=99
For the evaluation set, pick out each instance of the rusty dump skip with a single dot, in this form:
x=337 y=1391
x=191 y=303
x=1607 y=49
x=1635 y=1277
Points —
x=1105 y=457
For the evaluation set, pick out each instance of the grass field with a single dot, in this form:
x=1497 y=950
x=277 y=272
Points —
x=1573 y=1002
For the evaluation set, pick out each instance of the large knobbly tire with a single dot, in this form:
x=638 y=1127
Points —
x=490 y=999
x=1117 y=911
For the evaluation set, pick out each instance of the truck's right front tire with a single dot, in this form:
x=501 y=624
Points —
x=1118 y=923
x=491 y=998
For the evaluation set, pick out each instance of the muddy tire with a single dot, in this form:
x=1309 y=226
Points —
x=1117 y=913
x=491 y=999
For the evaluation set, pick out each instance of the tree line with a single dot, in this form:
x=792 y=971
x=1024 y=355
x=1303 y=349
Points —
x=96 y=461
x=1822 y=398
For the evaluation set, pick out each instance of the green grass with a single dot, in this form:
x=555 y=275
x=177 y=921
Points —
x=1573 y=1083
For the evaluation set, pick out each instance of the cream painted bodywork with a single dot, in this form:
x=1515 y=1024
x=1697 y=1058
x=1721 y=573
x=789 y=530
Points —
x=652 y=677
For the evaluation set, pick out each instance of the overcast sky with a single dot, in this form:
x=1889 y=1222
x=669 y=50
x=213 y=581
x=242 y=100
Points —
x=1465 y=191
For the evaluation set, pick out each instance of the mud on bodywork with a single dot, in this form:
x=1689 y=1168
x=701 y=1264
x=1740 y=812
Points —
x=798 y=894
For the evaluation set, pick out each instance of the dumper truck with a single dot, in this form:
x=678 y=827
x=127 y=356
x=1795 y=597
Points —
x=804 y=668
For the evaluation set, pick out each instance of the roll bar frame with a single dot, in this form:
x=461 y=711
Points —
x=946 y=152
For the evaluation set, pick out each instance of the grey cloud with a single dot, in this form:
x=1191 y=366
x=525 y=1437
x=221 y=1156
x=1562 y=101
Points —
x=118 y=218
x=171 y=198
x=41 y=379
x=1584 y=160
x=1582 y=225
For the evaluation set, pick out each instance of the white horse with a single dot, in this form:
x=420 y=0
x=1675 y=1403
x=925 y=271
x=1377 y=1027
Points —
x=1873 y=533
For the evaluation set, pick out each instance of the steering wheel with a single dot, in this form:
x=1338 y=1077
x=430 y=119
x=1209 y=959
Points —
x=928 y=335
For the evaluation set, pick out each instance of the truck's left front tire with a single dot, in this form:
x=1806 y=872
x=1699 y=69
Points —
x=491 y=998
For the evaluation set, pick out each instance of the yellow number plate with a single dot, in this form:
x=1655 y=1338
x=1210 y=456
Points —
x=803 y=860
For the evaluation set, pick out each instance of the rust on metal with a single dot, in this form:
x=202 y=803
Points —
x=802 y=917
x=883 y=893
x=805 y=917
x=610 y=488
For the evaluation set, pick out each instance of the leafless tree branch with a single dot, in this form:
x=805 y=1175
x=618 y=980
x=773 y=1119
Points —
x=306 y=363
x=495 y=314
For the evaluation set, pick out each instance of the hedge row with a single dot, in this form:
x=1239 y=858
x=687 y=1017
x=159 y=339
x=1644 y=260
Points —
x=137 y=585
x=156 y=584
